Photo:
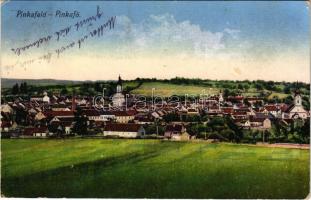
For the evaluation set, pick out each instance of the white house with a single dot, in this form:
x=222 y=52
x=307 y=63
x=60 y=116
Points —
x=124 y=130
x=123 y=116
x=36 y=131
x=46 y=98
x=106 y=116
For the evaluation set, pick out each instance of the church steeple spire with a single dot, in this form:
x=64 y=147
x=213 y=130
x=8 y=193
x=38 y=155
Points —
x=297 y=96
x=119 y=80
x=119 y=85
x=297 y=91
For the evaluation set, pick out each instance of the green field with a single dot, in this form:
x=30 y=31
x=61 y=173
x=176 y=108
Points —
x=151 y=169
x=168 y=89
x=278 y=95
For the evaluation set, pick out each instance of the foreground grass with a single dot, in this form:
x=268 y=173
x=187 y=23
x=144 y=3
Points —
x=151 y=169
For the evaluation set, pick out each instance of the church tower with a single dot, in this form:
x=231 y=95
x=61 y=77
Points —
x=119 y=85
x=221 y=98
x=118 y=98
x=297 y=98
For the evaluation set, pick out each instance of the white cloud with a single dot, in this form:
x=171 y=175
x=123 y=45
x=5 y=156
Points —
x=232 y=32
x=164 y=32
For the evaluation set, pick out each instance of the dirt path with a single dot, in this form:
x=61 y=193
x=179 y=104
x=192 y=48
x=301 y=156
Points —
x=285 y=145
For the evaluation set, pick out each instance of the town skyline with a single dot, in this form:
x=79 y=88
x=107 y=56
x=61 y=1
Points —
x=160 y=79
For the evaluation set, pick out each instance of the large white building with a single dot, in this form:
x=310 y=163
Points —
x=124 y=130
x=296 y=110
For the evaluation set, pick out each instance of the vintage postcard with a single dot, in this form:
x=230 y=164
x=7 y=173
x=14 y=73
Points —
x=155 y=99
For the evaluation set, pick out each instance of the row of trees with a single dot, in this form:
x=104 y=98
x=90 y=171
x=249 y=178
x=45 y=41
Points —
x=230 y=88
x=224 y=129
x=216 y=128
x=20 y=89
x=235 y=86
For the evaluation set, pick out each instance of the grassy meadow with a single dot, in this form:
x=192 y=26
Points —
x=168 y=89
x=150 y=169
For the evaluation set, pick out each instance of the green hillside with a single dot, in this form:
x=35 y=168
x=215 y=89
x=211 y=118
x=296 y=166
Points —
x=169 y=89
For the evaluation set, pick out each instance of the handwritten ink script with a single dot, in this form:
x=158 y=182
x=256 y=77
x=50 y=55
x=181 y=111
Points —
x=55 y=37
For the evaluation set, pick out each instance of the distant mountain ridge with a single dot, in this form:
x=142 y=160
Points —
x=9 y=82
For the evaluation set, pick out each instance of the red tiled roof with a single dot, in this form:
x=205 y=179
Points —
x=257 y=119
x=288 y=121
x=59 y=106
x=122 y=113
x=131 y=112
x=239 y=113
x=66 y=119
x=254 y=98
x=214 y=107
x=271 y=108
x=283 y=107
x=32 y=130
x=239 y=116
x=58 y=113
x=227 y=110
x=241 y=110
x=122 y=127
x=235 y=98
x=62 y=123
x=289 y=108
x=90 y=112
x=5 y=124
x=241 y=120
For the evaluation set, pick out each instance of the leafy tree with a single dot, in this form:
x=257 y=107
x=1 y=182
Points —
x=228 y=134
x=226 y=93
x=15 y=89
x=238 y=133
x=153 y=129
x=246 y=86
x=306 y=102
x=197 y=129
x=288 y=100
x=216 y=124
x=24 y=88
x=193 y=118
x=64 y=91
x=98 y=87
x=258 y=86
x=240 y=86
x=286 y=90
x=258 y=104
x=80 y=125
x=305 y=131
x=21 y=116
x=170 y=117
x=246 y=102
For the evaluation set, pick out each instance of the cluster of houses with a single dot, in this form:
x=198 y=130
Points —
x=44 y=116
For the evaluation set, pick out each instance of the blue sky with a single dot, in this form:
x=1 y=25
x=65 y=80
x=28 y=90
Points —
x=253 y=34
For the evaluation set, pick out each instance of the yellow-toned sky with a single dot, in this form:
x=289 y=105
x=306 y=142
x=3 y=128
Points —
x=223 y=66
